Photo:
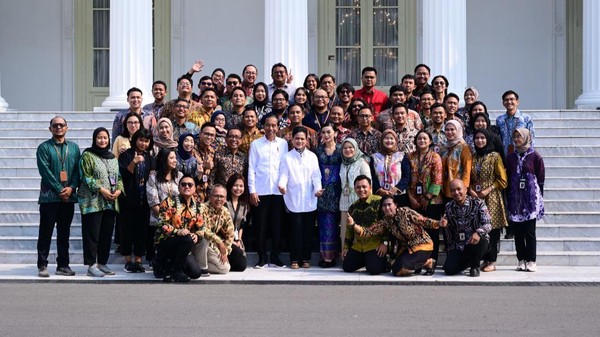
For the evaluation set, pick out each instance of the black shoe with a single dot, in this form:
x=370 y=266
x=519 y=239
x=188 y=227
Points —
x=509 y=236
x=180 y=276
x=130 y=267
x=431 y=271
x=418 y=271
x=139 y=268
x=118 y=250
x=326 y=264
x=474 y=272
x=277 y=262
x=204 y=273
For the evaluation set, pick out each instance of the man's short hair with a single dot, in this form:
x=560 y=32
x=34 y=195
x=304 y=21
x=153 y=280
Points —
x=324 y=76
x=362 y=177
x=278 y=65
x=185 y=78
x=249 y=65
x=215 y=186
x=208 y=90
x=236 y=76
x=134 y=89
x=365 y=69
x=425 y=93
x=55 y=117
x=398 y=87
x=179 y=99
x=250 y=108
x=160 y=82
x=399 y=105
x=437 y=105
x=186 y=175
x=344 y=86
x=450 y=95
x=509 y=92
x=424 y=66
x=280 y=91
x=235 y=128
x=208 y=125
x=408 y=77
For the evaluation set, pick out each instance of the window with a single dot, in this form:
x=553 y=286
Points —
x=101 y=39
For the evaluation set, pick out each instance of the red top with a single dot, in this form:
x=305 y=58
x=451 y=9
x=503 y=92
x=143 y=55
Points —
x=376 y=98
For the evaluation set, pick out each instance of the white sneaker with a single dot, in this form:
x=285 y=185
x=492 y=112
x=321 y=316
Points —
x=521 y=265
x=531 y=266
x=94 y=271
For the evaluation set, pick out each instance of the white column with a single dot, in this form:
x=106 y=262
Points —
x=590 y=98
x=3 y=104
x=445 y=41
x=286 y=37
x=130 y=51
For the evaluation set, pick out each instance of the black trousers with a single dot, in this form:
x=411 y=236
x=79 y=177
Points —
x=268 y=217
x=237 y=259
x=355 y=260
x=61 y=214
x=525 y=240
x=409 y=261
x=134 y=228
x=457 y=261
x=492 y=255
x=96 y=232
x=434 y=212
x=174 y=255
x=302 y=230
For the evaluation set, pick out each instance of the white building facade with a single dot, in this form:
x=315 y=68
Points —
x=81 y=54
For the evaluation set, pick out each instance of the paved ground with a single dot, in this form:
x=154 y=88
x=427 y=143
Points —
x=316 y=275
x=116 y=309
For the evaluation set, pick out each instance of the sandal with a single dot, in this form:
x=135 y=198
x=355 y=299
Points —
x=305 y=264
x=294 y=265
x=431 y=270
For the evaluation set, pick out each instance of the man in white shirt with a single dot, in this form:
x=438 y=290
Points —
x=264 y=158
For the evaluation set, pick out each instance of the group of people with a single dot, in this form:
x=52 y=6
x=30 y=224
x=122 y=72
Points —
x=375 y=175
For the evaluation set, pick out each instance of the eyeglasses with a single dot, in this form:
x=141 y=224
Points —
x=205 y=83
x=234 y=137
x=250 y=73
x=188 y=185
x=357 y=106
x=58 y=125
x=364 y=116
x=179 y=106
x=218 y=196
x=210 y=135
x=185 y=84
x=344 y=92
x=439 y=83
x=234 y=83
x=320 y=97
x=279 y=100
x=133 y=123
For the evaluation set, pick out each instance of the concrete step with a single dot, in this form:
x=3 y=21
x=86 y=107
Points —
x=589 y=131
x=31 y=216
x=563 y=217
x=571 y=181
x=571 y=193
x=46 y=116
x=567 y=230
x=35 y=140
x=30 y=243
x=567 y=160
x=571 y=123
x=19 y=192
x=570 y=170
x=566 y=140
x=12 y=171
x=554 y=258
x=572 y=205
x=558 y=244
x=31 y=229
x=568 y=150
x=541 y=114
x=20 y=182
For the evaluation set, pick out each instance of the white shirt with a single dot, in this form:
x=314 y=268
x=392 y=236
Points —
x=263 y=165
x=300 y=175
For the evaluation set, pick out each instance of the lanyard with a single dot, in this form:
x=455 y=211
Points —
x=60 y=158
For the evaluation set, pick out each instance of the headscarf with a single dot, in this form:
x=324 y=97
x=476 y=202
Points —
x=459 y=133
x=213 y=117
x=358 y=154
x=183 y=154
x=475 y=92
x=382 y=149
x=256 y=102
x=168 y=143
x=487 y=120
x=524 y=132
x=102 y=152
x=489 y=147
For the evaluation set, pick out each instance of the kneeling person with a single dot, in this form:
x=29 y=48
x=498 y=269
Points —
x=468 y=224
x=359 y=251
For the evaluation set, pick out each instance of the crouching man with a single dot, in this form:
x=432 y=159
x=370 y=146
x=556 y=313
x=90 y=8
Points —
x=467 y=223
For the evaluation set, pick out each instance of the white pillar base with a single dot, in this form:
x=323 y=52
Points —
x=590 y=98
x=588 y=101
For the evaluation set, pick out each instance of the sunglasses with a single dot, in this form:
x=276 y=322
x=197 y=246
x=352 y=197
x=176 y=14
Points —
x=58 y=125
x=232 y=83
x=206 y=83
x=184 y=185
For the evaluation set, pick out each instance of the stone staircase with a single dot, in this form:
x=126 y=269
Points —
x=567 y=139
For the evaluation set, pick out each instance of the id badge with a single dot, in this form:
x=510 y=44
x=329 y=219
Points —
x=346 y=191
x=204 y=178
x=386 y=186
x=436 y=149
x=477 y=188
x=63 y=177
x=235 y=235
x=522 y=184
x=112 y=180
x=419 y=189
x=461 y=236
x=511 y=148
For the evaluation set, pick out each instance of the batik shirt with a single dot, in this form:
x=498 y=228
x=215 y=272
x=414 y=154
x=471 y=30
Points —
x=463 y=220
